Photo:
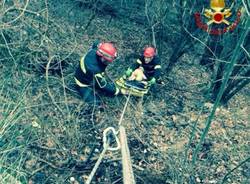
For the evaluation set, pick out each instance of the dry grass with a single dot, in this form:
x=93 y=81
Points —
x=48 y=134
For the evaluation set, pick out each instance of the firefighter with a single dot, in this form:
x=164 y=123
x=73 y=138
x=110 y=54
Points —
x=90 y=74
x=147 y=67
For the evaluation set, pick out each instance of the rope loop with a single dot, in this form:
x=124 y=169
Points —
x=109 y=134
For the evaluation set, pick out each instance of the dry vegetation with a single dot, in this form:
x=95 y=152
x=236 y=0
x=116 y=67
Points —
x=48 y=135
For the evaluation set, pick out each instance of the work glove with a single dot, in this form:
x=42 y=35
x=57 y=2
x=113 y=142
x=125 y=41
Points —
x=152 y=81
x=128 y=72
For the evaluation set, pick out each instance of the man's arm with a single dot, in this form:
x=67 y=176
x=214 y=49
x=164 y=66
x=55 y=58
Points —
x=107 y=86
x=157 y=68
x=133 y=67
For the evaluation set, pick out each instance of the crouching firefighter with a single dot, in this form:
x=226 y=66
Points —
x=90 y=74
x=148 y=64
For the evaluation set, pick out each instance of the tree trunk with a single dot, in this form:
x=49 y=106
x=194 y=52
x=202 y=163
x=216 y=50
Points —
x=187 y=21
x=236 y=72
x=234 y=87
x=212 y=52
x=178 y=51
x=218 y=80
x=241 y=85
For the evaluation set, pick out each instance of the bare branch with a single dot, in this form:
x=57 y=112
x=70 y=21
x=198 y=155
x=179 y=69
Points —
x=247 y=6
x=20 y=15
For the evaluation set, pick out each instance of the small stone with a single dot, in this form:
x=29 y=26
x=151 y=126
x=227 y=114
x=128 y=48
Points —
x=198 y=180
x=212 y=181
x=208 y=105
x=174 y=118
x=35 y=124
x=221 y=169
x=152 y=159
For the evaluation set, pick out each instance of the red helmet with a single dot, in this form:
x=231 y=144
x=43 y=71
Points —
x=107 y=51
x=149 y=52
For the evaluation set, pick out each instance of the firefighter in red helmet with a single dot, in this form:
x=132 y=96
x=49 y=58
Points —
x=149 y=64
x=90 y=74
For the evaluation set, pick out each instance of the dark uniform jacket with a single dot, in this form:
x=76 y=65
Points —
x=151 y=69
x=90 y=73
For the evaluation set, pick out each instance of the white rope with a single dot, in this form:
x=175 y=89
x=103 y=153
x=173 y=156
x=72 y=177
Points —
x=124 y=109
x=128 y=175
x=96 y=165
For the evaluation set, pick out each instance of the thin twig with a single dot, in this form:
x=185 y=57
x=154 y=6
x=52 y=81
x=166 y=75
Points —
x=203 y=43
x=20 y=15
x=48 y=89
x=242 y=163
x=6 y=43
x=246 y=7
x=245 y=51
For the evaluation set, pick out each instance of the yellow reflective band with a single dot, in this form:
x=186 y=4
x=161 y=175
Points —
x=80 y=84
x=157 y=67
x=117 y=91
x=139 y=61
x=99 y=75
x=82 y=64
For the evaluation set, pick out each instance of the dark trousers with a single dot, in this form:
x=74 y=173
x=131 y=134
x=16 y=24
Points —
x=89 y=96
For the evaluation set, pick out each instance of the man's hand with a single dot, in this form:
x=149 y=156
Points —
x=128 y=72
x=152 y=81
